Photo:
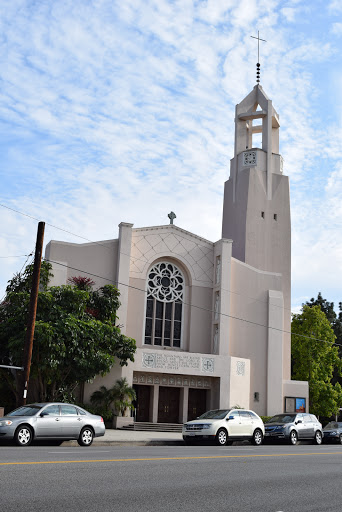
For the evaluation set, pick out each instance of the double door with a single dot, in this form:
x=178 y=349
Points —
x=168 y=405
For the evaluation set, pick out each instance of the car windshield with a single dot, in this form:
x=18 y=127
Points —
x=282 y=418
x=26 y=410
x=217 y=414
x=332 y=424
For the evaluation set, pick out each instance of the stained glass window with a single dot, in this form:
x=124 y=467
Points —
x=165 y=288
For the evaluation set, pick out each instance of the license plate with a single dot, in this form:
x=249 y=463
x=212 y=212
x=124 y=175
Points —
x=191 y=434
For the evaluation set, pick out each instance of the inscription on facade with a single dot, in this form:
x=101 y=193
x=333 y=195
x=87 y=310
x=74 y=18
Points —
x=240 y=368
x=177 y=362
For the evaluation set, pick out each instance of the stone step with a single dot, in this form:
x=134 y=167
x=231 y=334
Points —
x=158 y=427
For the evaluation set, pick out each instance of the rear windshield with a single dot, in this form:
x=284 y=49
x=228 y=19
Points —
x=26 y=410
x=333 y=424
x=282 y=418
x=217 y=414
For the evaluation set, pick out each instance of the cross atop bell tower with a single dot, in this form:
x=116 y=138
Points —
x=258 y=63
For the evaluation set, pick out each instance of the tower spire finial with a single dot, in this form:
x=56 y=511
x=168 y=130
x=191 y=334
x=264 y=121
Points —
x=258 y=63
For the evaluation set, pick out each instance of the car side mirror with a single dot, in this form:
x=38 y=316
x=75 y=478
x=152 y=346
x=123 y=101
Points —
x=298 y=421
x=42 y=414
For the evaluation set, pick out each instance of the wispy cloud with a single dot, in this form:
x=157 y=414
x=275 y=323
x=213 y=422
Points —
x=122 y=111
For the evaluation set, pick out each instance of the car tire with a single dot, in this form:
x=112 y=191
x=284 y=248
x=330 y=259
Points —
x=257 y=437
x=340 y=439
x=318 y=437
x=293 y=437
x=221 y=437
x=86 y=437
x=23 y=435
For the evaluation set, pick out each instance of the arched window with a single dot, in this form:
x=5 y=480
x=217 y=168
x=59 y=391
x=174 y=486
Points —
x=165 y=288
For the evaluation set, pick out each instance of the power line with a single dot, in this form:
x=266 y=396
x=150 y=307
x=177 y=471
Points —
x=195 y=306
x=18 y=256
x=53 y=226
x=130 y=256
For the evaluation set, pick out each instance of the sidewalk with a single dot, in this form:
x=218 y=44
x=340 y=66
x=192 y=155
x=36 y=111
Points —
x=114 y=437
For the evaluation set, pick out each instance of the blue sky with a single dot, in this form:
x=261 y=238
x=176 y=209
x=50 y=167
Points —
x=123 y=111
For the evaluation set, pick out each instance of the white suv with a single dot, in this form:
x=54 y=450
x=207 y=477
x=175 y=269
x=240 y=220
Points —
x=225 y=426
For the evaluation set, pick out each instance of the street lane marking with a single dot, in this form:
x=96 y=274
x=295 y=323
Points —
x=169 y=458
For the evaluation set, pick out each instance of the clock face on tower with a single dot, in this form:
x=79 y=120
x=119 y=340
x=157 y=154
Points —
x=249 y=158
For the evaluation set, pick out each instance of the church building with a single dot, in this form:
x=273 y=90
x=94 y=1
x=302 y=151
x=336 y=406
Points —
x=211 y=320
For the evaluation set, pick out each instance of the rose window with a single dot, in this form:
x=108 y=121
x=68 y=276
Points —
x=165 y=282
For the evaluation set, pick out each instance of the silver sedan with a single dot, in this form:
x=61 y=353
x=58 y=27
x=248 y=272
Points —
x=51 y=421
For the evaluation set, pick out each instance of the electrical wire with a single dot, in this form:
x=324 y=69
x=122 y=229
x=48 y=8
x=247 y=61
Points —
x=195 y=306
x=130 y=256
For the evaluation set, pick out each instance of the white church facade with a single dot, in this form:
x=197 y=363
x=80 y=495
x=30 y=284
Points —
x=211 y=320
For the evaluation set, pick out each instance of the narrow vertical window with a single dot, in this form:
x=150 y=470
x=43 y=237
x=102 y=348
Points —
x=164 y=306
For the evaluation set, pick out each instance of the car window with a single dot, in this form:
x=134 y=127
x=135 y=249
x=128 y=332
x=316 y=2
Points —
x=331 y=425
x=217 y=414
x=314 y=419
x=68 y=410
x=245 y=415
x=307 y=418
x=282 y=418
x=27 y=410
x=299 y=417
x=82 y=412
x=254 y=416
x=235 y=414
x=51 y=410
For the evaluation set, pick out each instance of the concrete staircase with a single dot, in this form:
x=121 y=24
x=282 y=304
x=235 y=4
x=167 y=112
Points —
x=154 y=427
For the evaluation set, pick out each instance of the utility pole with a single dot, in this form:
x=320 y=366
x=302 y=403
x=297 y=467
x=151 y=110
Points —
x=32 y=311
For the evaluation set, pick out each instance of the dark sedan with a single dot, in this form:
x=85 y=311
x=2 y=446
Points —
x=333 y=432
x=55 y=421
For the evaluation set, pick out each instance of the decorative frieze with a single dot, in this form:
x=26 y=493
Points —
x=172 y=380
x=177 y=362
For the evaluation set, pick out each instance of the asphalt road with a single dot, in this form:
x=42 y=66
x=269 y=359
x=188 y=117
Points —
x=163 y=478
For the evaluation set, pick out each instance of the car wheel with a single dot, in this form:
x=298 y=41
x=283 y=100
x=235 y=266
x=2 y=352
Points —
x=221 y=437
x=23 y=436
x=257 y=437
x=86 y=437
x=293 y=437
x=318 y=437
x=340 y=439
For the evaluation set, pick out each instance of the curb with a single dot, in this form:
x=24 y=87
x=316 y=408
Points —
x=155 y=442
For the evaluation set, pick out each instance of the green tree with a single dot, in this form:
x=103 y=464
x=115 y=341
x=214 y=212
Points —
x=314 y=358
x=75 y=334
x=335 y=322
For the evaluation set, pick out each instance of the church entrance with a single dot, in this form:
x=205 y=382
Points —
x=197 y=404
x=168 y=405
x=142 y=404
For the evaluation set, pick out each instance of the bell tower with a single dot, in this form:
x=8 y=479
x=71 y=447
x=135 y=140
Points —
x=256 y=207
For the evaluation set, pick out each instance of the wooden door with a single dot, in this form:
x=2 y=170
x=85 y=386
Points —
x=142 y=403
x=168 y=405
x=197 y=403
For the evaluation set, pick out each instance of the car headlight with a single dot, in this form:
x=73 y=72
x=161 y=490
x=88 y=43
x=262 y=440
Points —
x=206 y=425
x=333 y=433
x=4 y=423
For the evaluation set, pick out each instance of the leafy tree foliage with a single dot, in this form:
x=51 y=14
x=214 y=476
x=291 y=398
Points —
x=75 y=334
x=335 y=322
x=315 y=357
